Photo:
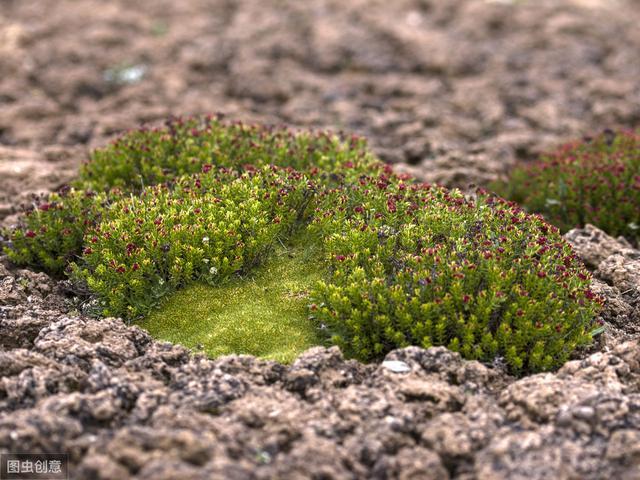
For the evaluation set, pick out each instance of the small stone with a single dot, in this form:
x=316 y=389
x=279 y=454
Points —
x=396 y=366
x=584 y=413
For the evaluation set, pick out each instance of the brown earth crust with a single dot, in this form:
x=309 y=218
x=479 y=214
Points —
x=453 y=91
x=126 y=406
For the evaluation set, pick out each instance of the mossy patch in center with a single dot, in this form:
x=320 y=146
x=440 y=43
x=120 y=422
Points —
x=263 y=313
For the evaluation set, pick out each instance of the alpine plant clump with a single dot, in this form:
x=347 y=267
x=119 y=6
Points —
x=148 y=157
x=412 y=264
x=204 y=228
x=595 y=180
x=404 y=263
x=51 y=232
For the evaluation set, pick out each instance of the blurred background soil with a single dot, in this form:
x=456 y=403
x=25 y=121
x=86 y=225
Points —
x=455 y=91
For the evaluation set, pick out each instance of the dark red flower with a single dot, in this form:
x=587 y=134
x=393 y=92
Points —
x=391 y=205
x=30 y=234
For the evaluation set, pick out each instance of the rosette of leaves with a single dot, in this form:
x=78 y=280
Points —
x=594 y=180
x=402 y=263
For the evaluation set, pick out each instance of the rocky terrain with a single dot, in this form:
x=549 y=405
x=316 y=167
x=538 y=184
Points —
x=124 y=405
x=453 y=91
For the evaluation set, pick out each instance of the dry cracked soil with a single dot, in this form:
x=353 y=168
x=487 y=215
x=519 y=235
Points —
x=453 y=91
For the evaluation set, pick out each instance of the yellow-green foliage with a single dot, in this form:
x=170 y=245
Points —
x=148 y=157
x=51 y=232
x=413 y=264
x=595 y=180
x=205 y=228
x=262 y=313
x=199 y=209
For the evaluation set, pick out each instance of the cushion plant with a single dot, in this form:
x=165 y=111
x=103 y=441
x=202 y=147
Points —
x=203 y=207
x=594 y=180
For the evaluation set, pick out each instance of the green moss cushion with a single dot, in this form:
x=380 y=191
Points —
x=395 y=262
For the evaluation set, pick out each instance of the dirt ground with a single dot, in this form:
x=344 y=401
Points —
x=454 y=91
x=457 y=89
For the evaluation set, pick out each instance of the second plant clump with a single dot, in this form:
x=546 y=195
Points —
x=595 y=180
x=403 y=263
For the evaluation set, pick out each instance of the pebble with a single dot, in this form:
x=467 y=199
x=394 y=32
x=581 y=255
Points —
x=396 y=366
